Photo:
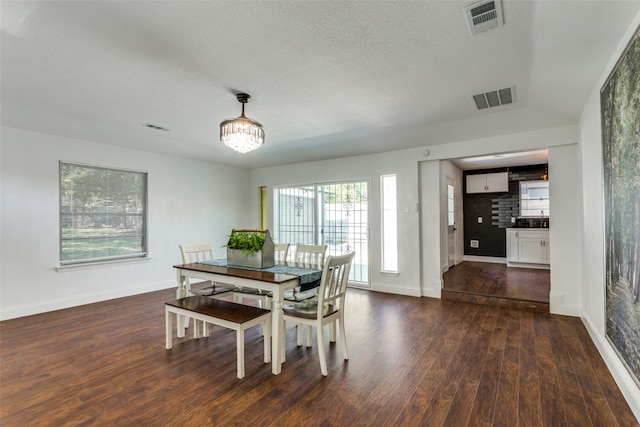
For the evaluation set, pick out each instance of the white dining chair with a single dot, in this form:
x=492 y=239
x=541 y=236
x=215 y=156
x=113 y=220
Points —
x=202 y=252
x=313 y=256
x=329 y=306
x=310 y=254
x=281 y=252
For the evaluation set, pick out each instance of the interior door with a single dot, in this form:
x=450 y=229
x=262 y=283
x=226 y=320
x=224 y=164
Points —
x=451 y=222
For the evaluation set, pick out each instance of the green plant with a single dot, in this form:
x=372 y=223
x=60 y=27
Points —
x=247 y=241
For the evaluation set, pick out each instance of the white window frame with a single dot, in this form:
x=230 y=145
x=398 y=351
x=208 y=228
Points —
x=389 y=223
x=527 y=203
x=110 y=222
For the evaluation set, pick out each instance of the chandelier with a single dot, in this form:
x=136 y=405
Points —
x=242 y=134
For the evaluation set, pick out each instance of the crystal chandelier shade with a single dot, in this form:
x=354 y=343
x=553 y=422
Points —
x=242 y=134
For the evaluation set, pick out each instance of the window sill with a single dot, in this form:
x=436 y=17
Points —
x=99 y=264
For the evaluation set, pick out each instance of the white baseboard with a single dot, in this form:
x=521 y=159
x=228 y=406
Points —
x=411 y=292
x=491 y=259
x=627 y=385
x=558 y=306
x=529 y=265
x=434 y=291
x=61 y=303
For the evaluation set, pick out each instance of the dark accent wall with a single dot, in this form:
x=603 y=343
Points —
x=496 y=210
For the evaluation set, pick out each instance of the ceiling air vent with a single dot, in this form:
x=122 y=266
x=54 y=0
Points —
x=152 y=126
x=494 y=98
x=483 y=16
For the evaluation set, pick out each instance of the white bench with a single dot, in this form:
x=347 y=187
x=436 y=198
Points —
x=222 y=313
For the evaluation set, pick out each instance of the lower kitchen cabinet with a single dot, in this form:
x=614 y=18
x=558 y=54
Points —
x=529 y=247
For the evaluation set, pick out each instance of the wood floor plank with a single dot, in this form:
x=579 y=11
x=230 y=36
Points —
x=506 y=408
x=596 y=403
x=413 y=362
x=485 y=402
x=550 y=396
x=498 y=280
x=613 y=395
x=572 y=399
x=529 y=396
x=456 y=368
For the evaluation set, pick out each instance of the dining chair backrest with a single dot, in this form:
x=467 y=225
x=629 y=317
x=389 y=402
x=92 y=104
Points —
x=333 y=285
x=196 y=252
x=310 y=254
x=281 y=251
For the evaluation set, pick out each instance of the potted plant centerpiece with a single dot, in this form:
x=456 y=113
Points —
x=250 y=248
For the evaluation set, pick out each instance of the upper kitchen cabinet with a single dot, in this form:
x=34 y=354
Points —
x=488 y=183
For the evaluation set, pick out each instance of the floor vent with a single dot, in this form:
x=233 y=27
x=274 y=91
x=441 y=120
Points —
x=494 y=98
x=483 y=16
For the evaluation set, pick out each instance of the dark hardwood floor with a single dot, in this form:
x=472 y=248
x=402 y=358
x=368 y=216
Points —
x=497 y=284
x=413 y=362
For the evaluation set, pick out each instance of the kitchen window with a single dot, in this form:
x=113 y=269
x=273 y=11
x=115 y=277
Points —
x=534 y=199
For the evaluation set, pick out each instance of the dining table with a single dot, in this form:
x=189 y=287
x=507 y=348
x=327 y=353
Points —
x=276 y=279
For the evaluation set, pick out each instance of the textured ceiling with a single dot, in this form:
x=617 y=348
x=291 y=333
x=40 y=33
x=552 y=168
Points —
x=326 y=79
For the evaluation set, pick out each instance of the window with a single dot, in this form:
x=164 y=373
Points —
x=451 y=214
x=103 y=214
x=389 y=224
x=534 y=199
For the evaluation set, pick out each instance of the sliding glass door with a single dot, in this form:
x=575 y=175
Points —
x=333 y=214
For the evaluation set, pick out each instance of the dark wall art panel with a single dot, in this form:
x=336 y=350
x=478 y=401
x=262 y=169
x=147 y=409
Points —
x=620 y=105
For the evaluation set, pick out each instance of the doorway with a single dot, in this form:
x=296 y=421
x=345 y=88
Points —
x=482 y=276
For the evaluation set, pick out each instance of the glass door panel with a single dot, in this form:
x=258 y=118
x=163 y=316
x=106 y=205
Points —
x=334 y=214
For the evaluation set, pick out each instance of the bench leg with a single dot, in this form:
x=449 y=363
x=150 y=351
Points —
x=240 y=351
x=196 y=328
x=168 y=327
x=205 y=329
x=266 y=328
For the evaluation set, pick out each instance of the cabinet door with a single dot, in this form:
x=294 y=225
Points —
x=497 y=182
x=476 y=183
x=530 y=249
x=546 y=258
x=512 y=246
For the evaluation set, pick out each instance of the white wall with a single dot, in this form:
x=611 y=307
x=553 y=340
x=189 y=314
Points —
x=555 y=139
x=592 y=253
x=189 y=202
x=430 y=233
x=564 y=233
x=420 y=241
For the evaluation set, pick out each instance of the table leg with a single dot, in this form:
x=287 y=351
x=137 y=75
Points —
x=277 y=333
x=168 y=329
x=181 y=292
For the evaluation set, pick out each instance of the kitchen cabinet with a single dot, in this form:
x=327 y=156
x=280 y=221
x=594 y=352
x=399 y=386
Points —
x=512 y=245
x=528 y=247
x=488 y=183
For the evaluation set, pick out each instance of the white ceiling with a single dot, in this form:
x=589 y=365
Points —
x=326 y=79
x=523 y=158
